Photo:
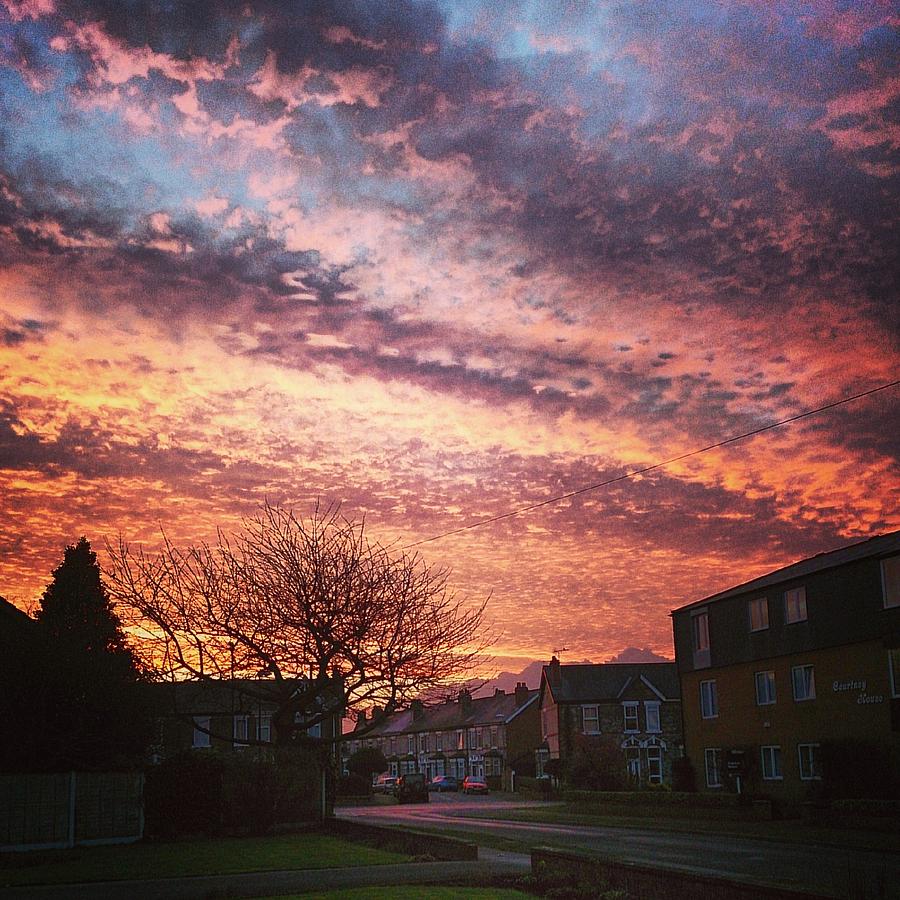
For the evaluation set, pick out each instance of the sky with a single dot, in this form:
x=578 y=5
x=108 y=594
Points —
x=437 y=261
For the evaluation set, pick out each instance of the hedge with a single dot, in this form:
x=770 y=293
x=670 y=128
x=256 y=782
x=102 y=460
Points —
x=652 y=798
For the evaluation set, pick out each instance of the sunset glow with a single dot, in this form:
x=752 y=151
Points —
x=439 y=261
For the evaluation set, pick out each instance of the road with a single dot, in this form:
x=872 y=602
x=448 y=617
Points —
x=815 y=868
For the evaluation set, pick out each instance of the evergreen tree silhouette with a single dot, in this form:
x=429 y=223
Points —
x=94 y=715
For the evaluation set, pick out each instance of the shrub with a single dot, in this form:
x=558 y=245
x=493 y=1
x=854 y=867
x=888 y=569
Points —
x=353 y=785
x=248 y=792
x=683 y=777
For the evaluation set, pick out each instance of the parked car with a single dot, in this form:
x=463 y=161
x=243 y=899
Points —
x=441 y=783
x=411 y=788
x=473 y=785
x=384 y=784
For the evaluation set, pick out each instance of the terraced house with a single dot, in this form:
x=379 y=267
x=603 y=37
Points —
x=791 y=682
x=493 y=737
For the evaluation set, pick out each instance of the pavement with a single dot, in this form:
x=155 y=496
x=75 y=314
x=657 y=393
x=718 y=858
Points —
x=491 y=864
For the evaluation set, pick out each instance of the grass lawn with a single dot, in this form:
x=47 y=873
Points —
x=413 y=892
x=786 y=831
x=223 y=856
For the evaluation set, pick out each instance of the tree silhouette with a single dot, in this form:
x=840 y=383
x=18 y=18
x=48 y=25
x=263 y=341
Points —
x=318 y=618
x=94 y=716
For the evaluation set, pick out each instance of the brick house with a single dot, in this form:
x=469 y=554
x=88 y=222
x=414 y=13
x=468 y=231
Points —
x=491 y=737
x=791 y=681
x=631 y=710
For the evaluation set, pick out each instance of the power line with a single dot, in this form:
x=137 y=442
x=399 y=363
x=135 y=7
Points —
x=658 y=465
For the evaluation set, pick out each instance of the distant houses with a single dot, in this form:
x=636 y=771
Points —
x=493 y=737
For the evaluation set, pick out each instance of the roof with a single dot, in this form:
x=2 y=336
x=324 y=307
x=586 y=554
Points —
x=598 y=682
x=12 y=615
x=214 y=697
x=495 y=710
x=883 y=545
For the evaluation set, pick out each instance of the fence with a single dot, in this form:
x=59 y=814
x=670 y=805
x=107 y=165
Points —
x=62 y=810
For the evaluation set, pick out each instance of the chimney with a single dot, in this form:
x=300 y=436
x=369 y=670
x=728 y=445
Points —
x=465 y=701
x=377 y=713
x=418 y=710
x=361 y=720
x=521 y=692
x=499 y=692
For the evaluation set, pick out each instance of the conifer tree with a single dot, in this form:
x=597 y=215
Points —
x=94 y=714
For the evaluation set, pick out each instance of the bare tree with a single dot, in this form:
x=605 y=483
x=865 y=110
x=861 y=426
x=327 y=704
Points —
x=317 y=618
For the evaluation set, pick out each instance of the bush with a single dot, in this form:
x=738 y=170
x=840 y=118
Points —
x=248 y=792
x=353 y=786
x=596 y=765
x=684 y=779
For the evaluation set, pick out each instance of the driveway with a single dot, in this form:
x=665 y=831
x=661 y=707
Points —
x=818 y=869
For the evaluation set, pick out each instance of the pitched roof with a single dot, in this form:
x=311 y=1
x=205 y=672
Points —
x=213 y=696
x=495 y=710
x=599 y=682
x=12 y=615
x=883 y=545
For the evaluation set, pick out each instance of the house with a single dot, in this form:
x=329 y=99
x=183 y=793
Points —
x=629 y=711
x=241 y=716
x=231 y=715
x=791 y=681
x=491 y=737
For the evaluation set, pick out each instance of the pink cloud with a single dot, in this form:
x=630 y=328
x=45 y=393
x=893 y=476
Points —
x=29 y=9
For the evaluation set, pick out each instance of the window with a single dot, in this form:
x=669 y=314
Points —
x=315 y=731
x=410 y=743
x=651 y=714
x=460 y=740
x=808 y=757
x=265 y=727
x=201 y=739
x=631 y=716
x=654 y=765
x=700 y=638
x=700 y=631
x=894 y=670
x=590 y=720
x=479 y=737
x=471 y=736
x=709 y=700
x=759 y=613
x=795 y=605
x=423 y=743
x=804 y=680
x=765 y=688
x=439 y=741
x=241 y=730
x=495 y=731
x=771 y=763
x=890 y=581
x=713 y=759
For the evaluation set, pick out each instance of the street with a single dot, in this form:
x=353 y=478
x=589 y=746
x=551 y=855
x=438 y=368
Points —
x=816 y=868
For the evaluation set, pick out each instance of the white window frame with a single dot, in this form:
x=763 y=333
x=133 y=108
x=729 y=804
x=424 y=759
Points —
x=410 y=743
x=585 y=717
x=653 y=716
x=700 y=631
x=712 y=763
x=795 y=609
x=654 y=761
x=439 y=741
x=890 y=581
x=769 y=696
x=631 y=706
x=240 y=731
x=894 y=670
x=758 y=613
x=770 y=758
x=806 y=686
x=810 y=771
x=201 y=740
x=710 y=709
x=495 y=737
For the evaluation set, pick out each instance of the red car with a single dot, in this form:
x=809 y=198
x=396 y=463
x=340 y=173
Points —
x=473 y=785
